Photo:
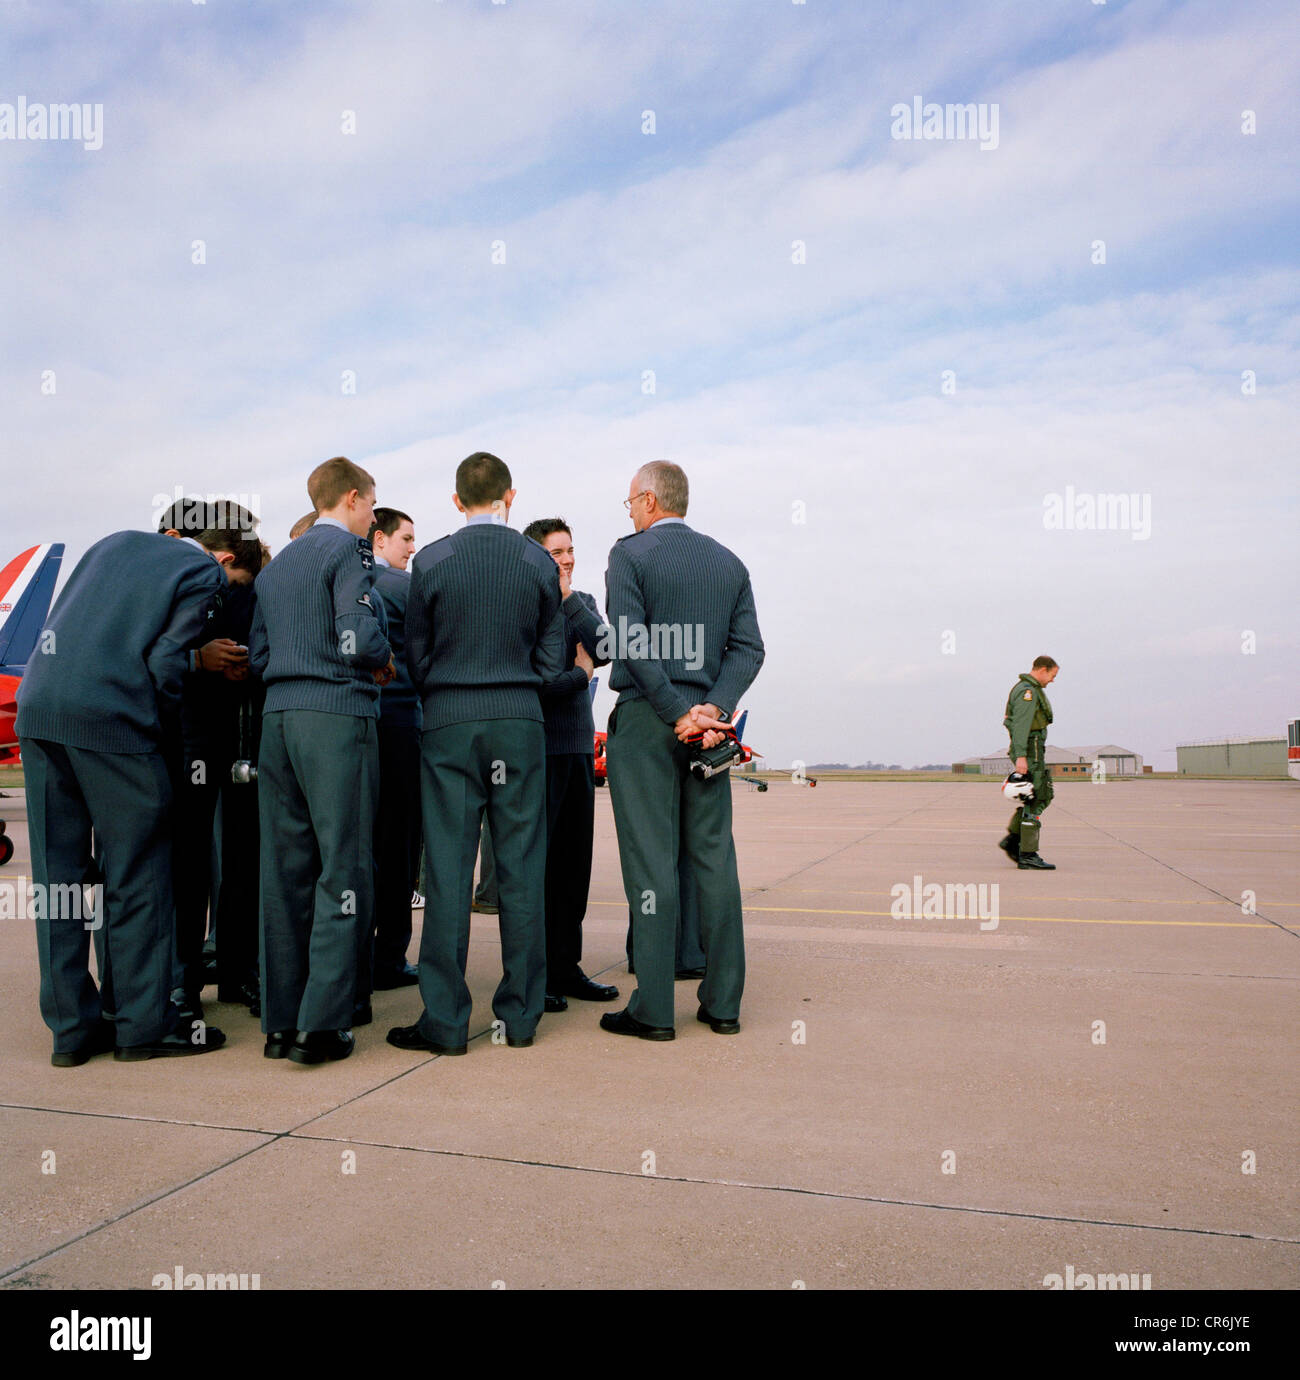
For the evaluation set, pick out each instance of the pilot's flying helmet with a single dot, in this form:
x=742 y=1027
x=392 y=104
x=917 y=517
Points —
x=1019 y=788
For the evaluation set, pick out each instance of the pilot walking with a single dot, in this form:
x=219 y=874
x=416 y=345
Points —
x=1027 y=716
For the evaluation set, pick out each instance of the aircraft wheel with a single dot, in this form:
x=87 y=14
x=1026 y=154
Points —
x=6 y=849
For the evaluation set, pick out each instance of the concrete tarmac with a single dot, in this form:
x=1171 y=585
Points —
x=971 y=1088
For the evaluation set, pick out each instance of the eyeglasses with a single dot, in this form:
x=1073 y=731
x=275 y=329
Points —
x=628 y=502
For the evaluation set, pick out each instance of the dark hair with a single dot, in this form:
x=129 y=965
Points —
x=546 y=527
x=1042 y=663
x=181 y=516
x=331 y=482
x=245 y=546
x=190 y=516
x=388 y=520
x=481 y=479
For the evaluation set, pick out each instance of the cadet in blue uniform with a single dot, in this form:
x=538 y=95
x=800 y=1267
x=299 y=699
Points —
x=209 y=733
x=484 y=632
x=570 y=779
x=397 y=824
x=97 y=703
x=319 y=645
x=670 y=583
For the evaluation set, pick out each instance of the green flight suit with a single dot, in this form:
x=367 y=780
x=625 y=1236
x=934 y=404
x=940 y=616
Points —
x=1028 y=714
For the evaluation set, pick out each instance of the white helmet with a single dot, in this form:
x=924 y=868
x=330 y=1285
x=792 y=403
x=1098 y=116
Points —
x=1018 y=788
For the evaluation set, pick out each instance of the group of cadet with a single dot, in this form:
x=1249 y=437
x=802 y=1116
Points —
x=347 y=703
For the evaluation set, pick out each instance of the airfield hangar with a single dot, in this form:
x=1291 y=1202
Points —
x=1066 y=762
x=1245 y=757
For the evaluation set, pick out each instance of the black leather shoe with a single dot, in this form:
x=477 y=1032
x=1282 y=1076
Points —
x=409 y=1037
x=315 y=1046
x=687 y=974
x=242 y=994
x=173 y=1046
x=554 y=1003
x=582 y=987
x=189 y=1006
x=1032 y=860
x=278 y=1044
x=362 y=1014
x=719 y=1027
x=1010 y=845
x=99 y=1041
x=406 y=976
x=523 y=1042
x=620 y=1023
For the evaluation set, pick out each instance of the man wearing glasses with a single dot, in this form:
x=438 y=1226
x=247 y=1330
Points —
x=685 y=647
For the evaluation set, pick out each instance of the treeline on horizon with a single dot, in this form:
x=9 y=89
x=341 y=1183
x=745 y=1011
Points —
x=876 y=766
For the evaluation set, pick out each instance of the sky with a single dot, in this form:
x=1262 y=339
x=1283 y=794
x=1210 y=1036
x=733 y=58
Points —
x=900 y=372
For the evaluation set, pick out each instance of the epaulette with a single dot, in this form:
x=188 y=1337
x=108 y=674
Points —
x=648 y=534
x=436 y=551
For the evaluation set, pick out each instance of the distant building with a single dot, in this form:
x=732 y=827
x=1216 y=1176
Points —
x=1061 y=761
x=1255 y=757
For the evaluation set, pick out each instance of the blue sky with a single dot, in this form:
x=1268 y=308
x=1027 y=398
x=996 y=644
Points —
x=777 y=384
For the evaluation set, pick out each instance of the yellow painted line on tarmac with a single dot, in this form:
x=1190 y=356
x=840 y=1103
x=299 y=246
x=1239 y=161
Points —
x=1036 y=919
x=1091 y=900
x=1039 y=919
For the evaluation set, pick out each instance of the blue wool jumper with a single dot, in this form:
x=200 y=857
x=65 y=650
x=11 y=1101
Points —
x=119 y=639
x=484 y=630
x=319 y=631
x=671 y=576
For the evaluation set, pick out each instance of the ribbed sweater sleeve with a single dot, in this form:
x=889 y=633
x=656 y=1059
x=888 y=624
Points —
x=743 y=657
x=169 y=658
x=585 y=623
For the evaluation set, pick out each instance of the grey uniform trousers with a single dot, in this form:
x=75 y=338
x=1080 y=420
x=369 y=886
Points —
x=125 y=799
x=495 y=767
x=317 y=787
x=659 y=809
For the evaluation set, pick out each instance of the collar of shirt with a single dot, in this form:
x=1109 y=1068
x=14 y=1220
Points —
x=659 y=522
x=484 y=517
x=198 y=546
x=379 y=560
x=330 y=522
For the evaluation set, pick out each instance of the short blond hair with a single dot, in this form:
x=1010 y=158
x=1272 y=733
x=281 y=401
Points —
x=330 y=483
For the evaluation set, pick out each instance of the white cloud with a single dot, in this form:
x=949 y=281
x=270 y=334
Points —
x=776 y=383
